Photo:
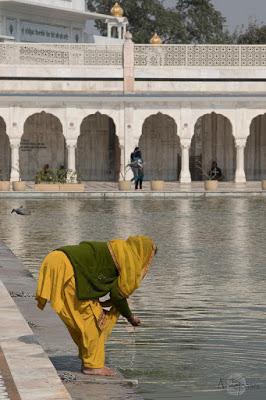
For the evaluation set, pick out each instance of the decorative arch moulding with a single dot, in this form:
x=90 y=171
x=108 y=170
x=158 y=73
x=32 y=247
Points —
x=240 y=120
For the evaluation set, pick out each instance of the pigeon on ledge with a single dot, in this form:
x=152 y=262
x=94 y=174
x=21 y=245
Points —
x=20 y=211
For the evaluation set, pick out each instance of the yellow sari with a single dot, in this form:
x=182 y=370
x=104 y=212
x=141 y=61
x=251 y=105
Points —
x=88 y=324
x=132 y=258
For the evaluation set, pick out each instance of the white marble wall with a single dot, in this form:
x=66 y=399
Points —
x=25 y=24
x=75 y=4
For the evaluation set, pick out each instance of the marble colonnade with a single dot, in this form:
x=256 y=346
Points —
x=128 y=120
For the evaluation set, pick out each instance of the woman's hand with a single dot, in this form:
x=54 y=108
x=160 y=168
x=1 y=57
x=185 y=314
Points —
x=134 y=321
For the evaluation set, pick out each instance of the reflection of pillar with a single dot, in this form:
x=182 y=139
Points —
x=240 y=176
x=71 y=154
x=185 y=176
x=15 y=175
x=241 y=230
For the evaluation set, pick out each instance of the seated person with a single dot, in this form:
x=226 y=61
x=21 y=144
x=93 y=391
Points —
x=215 y=173
x=45 y=169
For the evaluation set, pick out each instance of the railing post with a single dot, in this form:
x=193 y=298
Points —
x=128 y=64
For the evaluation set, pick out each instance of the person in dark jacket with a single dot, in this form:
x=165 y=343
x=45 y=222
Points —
x=134 y=157
x=140 y=174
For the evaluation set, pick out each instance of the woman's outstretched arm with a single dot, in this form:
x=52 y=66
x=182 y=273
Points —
x=121 y=304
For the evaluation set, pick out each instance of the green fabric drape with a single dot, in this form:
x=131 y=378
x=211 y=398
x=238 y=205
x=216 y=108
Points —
x=96 y=273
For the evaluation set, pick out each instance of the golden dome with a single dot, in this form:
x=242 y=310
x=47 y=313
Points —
x=117 y=10
x=155 y=39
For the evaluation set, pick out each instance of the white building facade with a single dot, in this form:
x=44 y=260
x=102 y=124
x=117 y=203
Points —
x=53 y=21
x=86 y=106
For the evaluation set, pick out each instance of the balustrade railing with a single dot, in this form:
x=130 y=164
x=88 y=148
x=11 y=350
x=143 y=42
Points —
x=60 y=54
x=200 y=55
x=144 y=55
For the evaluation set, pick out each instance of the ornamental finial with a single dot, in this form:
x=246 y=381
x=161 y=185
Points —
x=117 y=10
x=156 y=39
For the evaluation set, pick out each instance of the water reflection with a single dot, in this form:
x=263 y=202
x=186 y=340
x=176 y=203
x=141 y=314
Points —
x=203 y=303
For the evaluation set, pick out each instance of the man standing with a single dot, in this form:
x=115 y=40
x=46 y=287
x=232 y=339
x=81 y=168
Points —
x=134 y=157
x=140 y=174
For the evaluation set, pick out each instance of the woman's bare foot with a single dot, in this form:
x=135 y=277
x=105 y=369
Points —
x=105 y=371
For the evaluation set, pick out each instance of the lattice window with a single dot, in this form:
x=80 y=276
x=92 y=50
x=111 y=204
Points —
x=145 y=55
x=103 y=55
x=32 y=54
x=253 y=55
x=213 y=56
x=160 y=55
x=60 y=54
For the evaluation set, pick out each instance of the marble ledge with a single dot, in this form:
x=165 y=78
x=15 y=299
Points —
x=34 y=375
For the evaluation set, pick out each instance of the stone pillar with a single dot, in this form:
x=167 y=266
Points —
x=124 y=29
x=15 y=174
x=128 y=52
x=185 y=176
x=240 y=176
x=109 y=30
x=71 y=154
x=119 y=30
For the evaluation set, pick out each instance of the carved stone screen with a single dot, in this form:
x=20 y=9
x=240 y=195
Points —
x=160 y=147
x=212 y=141
x=199 y=55
x=98 y=151
x=42 y=143
x=60 y=54
x=5 y=153
x=255 y=151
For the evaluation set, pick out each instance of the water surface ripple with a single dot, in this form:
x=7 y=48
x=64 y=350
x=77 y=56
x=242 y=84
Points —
x=203 y=302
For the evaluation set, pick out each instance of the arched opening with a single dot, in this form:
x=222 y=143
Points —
x=98 y=151
x=5 y=153
x=255 y=150
x=160 y=147
x=212 y=141
x=42 y=143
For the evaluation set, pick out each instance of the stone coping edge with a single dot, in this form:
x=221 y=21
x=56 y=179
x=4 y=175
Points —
x=115 y=194
x=33 y=373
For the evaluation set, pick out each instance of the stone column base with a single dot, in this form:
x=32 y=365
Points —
x=185 y=179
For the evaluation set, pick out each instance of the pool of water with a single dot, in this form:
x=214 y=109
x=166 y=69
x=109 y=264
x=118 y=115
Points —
x=202 y=304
